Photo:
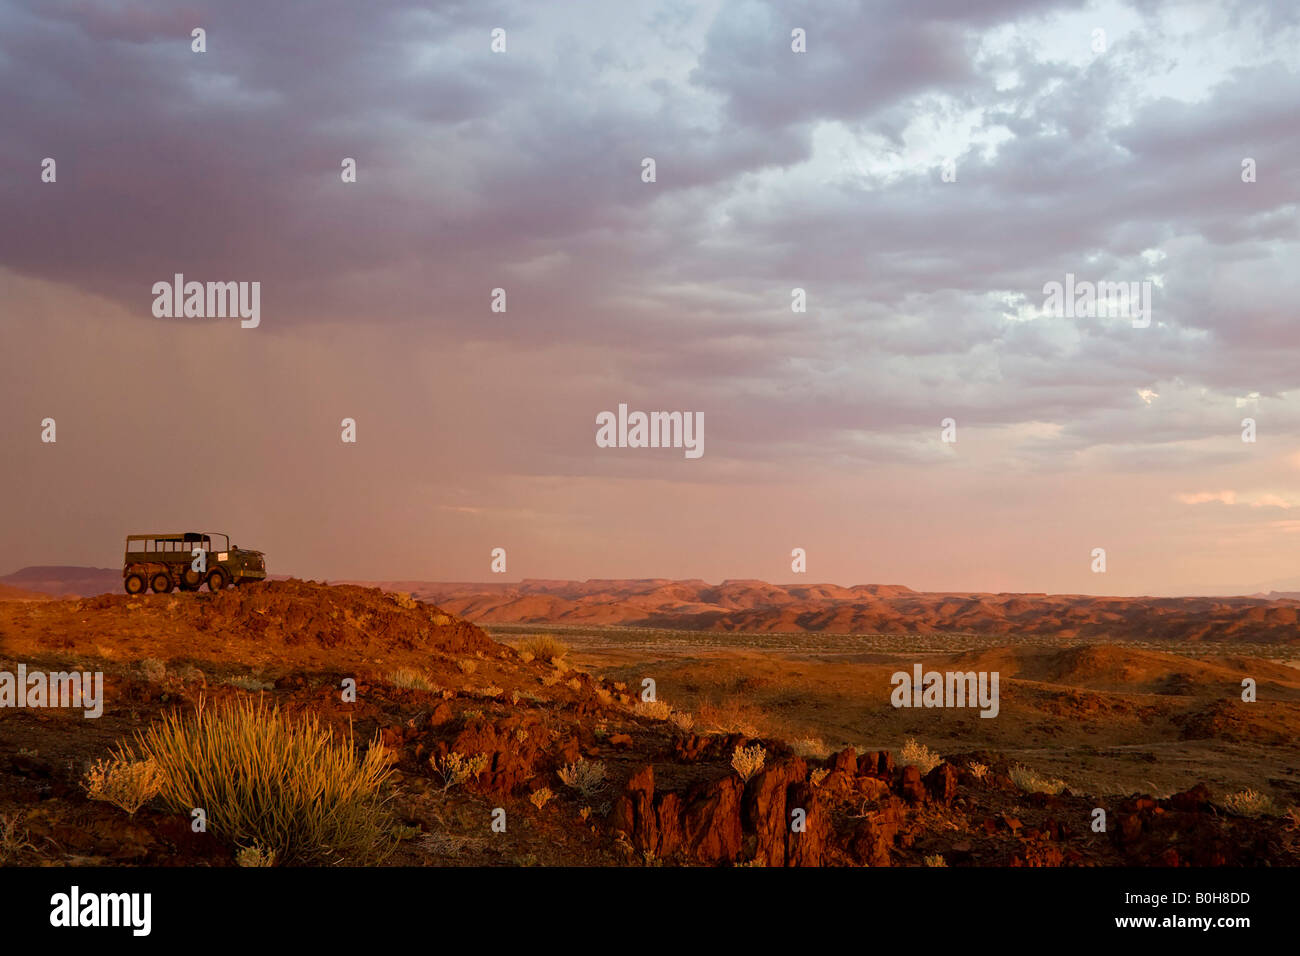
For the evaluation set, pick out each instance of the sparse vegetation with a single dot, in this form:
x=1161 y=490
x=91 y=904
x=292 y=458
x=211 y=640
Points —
x=748 y=761
x=154 y=670
x=587 y=777
x=539 y=798
x=818 y=775
x=919 y=755
x=543 y=647
x=288 y=786
x=255 y=855
x=126 y=783
x=14 y=839
x=1032 y=782
x=935 y=859
x=732 y=717
x=1248 y=803
x=662 y=710
x=189 y=674
x=810 y=747
x=408 y=679
x=455 y=768
x=977 y=769
x=653 y=709
x=682 y=721
x=467 y=665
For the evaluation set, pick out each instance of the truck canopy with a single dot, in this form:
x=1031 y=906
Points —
x=173 y=541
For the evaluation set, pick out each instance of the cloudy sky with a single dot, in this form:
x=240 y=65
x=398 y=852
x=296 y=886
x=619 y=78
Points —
x=1114 y=156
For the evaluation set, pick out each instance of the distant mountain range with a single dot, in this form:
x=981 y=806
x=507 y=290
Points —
x=757 y=606
x=65 y=581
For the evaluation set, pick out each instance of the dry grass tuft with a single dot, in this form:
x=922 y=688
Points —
x=543 y=647
x=1248 y=803
x=653 y=709
x=255 y=855
x=810 y=747
x=14 y=839
x=587 y=777
x=124 y=782
x=456 y=768
x=286 y=785
x=748 y=761
x=732 y=716
x=408 y=679
x=1032 y=782
x=919 y=755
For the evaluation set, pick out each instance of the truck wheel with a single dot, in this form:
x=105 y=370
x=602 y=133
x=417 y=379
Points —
x=191 y=580
x=134 y=584
x=216 y=580
x=161 y=583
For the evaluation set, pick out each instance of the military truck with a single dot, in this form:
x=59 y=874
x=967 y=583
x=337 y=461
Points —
x=187 y=560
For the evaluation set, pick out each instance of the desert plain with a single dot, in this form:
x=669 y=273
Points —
x=705 y=719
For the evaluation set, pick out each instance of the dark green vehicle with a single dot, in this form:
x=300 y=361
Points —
x=187 y=560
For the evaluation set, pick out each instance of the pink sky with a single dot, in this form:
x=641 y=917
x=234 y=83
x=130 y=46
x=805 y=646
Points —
x=775 y=171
